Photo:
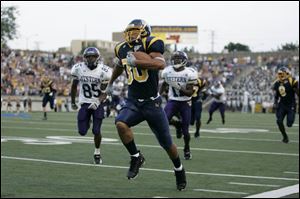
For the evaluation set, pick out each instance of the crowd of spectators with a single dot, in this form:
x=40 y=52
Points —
x=21 y=73
x=256 y=87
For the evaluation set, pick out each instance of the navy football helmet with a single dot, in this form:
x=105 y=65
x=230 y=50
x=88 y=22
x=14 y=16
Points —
x=91 y=57
x=179 y=59
x=136 y=30
x=282 y=73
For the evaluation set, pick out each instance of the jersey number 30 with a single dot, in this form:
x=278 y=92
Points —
x=140 y=75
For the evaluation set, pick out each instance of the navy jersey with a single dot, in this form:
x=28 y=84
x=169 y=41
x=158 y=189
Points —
x=142 y=83
x=46 y=87
x=199 y=93
x=285 y=91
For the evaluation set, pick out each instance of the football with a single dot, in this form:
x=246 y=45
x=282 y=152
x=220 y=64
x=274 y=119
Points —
x=141 y=56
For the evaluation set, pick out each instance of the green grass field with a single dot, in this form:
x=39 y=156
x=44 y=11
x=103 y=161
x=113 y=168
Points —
x=241 y=158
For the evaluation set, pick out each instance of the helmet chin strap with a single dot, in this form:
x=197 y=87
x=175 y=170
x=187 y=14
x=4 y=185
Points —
x=176 y=66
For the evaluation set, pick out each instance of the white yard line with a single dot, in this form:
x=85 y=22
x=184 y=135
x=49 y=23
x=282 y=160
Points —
x=250 y=184
x=136 y=127
x=147 y=169
x=140 y=126
x=277 y=193
x=219 y=191
x=291 y=172
x=245 y=139
x=205 y=149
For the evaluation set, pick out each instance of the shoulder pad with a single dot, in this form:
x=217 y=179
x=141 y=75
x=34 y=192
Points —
x=117 y=48
x=151 y=40
x=78 y=65
x=275 y=81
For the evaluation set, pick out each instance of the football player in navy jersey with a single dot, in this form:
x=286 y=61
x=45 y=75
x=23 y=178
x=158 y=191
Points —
x=198 y=97
x=285 y=88
x=48 y=90
x=143 y=102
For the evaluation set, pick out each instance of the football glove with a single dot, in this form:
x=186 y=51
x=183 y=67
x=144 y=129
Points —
x=131 y=59
x=74 y=106
x=109 y=89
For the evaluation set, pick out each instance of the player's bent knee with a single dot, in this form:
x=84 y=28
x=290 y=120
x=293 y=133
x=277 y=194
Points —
x=121 y=126
x=165 y=143
x=279 y=122
x=82 y=132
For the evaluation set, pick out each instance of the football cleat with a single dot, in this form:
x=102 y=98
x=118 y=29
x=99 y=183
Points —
x=285 y=140
x=209 y=120
x=187 y=154
x=180 y=179
x=135 y=164
x=97 y=159
x=197 y=134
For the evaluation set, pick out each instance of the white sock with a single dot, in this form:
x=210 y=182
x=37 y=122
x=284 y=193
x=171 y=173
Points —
x=97 y=151
x=179 y=168
x=136 y=155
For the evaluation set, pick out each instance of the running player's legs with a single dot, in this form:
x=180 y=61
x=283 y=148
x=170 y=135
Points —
x=98 y=116
x=83 y=119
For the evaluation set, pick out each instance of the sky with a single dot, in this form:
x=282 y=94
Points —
x=263 y=26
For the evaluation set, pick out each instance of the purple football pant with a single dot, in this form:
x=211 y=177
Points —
x=217 y=105
x=184 y=109
x=84 y=118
